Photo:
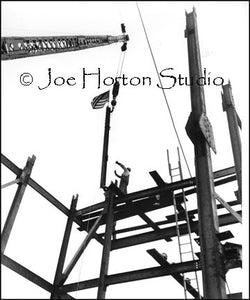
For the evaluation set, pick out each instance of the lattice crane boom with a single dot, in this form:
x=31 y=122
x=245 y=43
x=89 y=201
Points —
x=20 y=47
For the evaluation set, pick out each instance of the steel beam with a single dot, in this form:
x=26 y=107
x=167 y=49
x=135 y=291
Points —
x=81 y=249
x=234 y=296
x=170 y=219
x=38 y=188
x=233 y=124
x=216 y=183
x=155 y=191
x=157 y=178
x=170 y=232
x=169 y=187
x=105 y=148
x=144 y=204
x=65 y=296
x=107 y=245
x=229 y=208
x=10 y=183
x=200 y=132
x=147 y=204
x=160 y=182
x=31 y=276
x=24 y=178
x=178 y=277
x=175 y=268
x=64 y=247
x=131 y=209
x=10 y=165
x=151 y=223
x=19 y=269
x=148 y=273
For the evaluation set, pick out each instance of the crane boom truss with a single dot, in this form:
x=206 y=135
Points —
x=20 y=47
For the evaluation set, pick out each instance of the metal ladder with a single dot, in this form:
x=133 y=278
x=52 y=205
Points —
x=184 y=240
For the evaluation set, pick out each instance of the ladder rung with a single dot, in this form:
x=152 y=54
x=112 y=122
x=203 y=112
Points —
x=186 y=252
x=175 y=168
x=175 y=175
x=185 y=243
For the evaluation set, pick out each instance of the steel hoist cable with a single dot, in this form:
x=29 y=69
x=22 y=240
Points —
x=173 y=123
x=164 y=94
x=118 y=74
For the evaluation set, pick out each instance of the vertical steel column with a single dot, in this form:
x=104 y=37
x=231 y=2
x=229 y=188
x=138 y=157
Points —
x=229 y=107
x=24 y=178
x=200 y=132
x=105 y=148
x=107 y=244
x=64 y=247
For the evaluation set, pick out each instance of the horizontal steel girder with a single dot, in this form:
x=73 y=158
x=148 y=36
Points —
x=170 y=219
x=178 y=277
x=169 y=232
x=126 y=210
x=148 y=273
x=155 y=191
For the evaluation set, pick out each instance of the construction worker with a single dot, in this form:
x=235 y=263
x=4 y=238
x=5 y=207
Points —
x=123 y=185
x=124 y=177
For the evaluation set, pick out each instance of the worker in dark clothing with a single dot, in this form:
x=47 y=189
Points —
x=124 y=177
x=123 y=185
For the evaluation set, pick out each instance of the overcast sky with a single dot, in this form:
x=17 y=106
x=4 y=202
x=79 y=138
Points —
x=59 y=126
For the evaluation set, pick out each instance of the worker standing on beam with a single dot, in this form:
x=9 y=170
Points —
x=124 y=177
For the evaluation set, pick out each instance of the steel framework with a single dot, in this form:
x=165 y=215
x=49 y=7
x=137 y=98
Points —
x=214 y=258
x=105 y=213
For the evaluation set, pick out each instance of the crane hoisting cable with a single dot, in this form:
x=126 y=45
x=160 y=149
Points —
x=109 y=110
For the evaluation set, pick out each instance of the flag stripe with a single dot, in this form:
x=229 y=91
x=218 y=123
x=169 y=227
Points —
x=100 y=100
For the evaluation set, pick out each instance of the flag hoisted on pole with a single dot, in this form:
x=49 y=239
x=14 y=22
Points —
x=100 y=100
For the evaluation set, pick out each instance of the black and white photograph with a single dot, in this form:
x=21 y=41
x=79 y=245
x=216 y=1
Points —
x=125 y=150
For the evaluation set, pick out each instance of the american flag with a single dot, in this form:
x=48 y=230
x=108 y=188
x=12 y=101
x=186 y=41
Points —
x=100 y=101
